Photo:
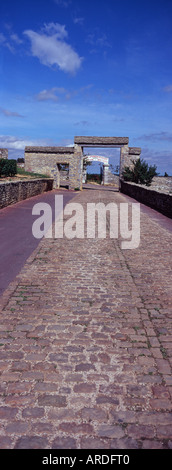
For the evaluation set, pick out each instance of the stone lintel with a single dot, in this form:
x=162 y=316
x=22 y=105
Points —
x=92 y=141
x=49 y=149
x=134 y=150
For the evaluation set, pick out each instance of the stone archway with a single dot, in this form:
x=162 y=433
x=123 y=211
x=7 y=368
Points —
x=95 y=158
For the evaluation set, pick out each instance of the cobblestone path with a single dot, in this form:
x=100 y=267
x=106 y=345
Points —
x=86 y=345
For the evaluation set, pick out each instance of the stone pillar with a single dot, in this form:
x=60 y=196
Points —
x=4 y=153
x=105 y=173
x=84 y=174
x=128 y=155
x=76 y=168
x=57 y=176
x=134 y=154
x=123 y=158
x=123 y=161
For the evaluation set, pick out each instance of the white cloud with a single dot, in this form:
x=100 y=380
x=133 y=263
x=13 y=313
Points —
x=168 y=88
x=17 y=143
x=78 y=21
x=56 y=29
x=46 y=95
x=8 y=113
x=163 y=135
x=5 y=42
x=16 y=39
x=51 y=49
x=55 y=93
x=10 y=47
x=160 y=158
x=61 y=90
x=13 y=142
x=2 y=38
x=98 y=41
x=52 y=94
x=9 y=41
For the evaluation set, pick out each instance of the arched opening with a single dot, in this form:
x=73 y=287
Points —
x=101 y=166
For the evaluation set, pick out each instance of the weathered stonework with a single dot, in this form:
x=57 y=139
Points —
x=92 y=141
x=47 y=160
x=15 y=191
x=128 y=155
x=112 y=179
x=160 y=201
x=4 y=153
x=162 y=184
x=133 y=155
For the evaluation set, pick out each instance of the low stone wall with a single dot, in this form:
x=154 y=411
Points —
x=159 y=201
x=162 y=184
x=112 y=179
x=15 y=191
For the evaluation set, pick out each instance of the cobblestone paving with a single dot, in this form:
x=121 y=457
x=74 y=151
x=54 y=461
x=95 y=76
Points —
x=86 y=346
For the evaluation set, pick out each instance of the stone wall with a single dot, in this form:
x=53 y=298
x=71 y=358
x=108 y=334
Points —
x=46 y=160
x=162 y=184
x=159 y=201
x=127 y=156
x=112 y=179
x=4 y=153
x=13 y=192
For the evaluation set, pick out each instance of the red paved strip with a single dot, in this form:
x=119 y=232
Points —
x=86 y=344
x=16 y=239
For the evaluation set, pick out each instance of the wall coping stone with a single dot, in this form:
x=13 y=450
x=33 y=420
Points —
x=160 y=201
x=134 y=150
x=12 y=192
x=26 y=180
x=153 y=187
x=49 y=149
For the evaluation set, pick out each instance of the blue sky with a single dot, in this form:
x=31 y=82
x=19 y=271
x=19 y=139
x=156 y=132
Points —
x=82 y=67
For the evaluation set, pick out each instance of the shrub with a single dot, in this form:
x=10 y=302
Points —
x=8 y=167
x=94 y=177
x=2 y=160
x=141 y=172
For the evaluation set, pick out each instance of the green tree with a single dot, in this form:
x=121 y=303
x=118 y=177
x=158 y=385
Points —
x=86 y=161
x=8 y=167
x=114 y=170
x=141 y=173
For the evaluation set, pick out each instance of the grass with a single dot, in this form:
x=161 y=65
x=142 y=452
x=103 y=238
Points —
x=136 y=328
x=164 y=352
x=22 y=172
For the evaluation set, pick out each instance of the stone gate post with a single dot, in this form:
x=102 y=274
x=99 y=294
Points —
x=105 y=173
x=77 y=167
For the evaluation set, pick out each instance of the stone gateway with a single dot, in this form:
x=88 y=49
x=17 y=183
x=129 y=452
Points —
x=47 y=160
